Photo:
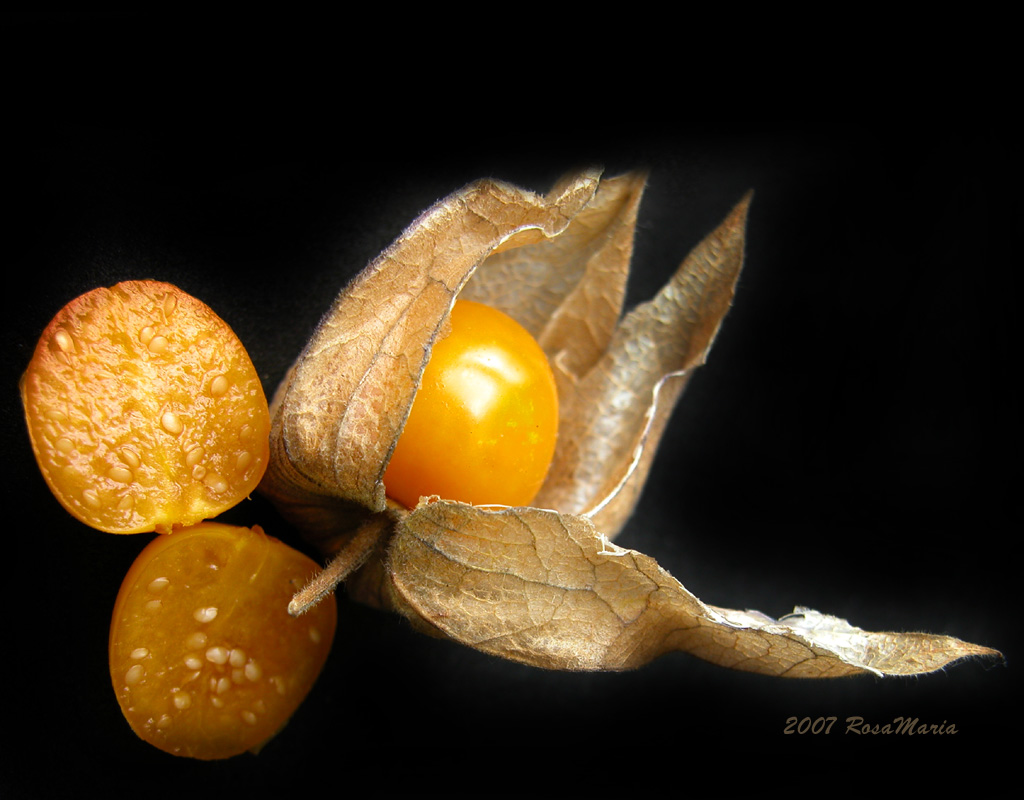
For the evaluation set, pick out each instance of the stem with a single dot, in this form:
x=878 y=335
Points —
x=346 y=561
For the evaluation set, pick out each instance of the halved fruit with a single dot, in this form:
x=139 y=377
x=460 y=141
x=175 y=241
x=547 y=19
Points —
x=144 y=410
x=205 y=659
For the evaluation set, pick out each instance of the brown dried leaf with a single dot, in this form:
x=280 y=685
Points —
x=548 y=589
x=615 y=415
x=338 y=413
x=568 y=291
x=539 y=586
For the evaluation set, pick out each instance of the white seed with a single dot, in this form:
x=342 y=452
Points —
x=171 y=423
x=194 y=455
x=215 y=482
x=64 y=341
x=164 y=721
x=223 y=685
x=153 y=605
x=237 y=657
x=130 y=457
x=120 y=474
x=140 y=652
x=134 y=674
x=207 y=614
x=219 y=386
x=217 y=655
x=182 y=700
x=192 y=661
x=253 y=671
x=158 y=584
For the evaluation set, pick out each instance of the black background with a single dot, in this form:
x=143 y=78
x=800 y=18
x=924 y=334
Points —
x=852 y=444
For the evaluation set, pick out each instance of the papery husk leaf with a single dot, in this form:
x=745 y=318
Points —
x=538 y=586
x=549 y=590
x=339 y=411
x=614 y=415
x=568 y=291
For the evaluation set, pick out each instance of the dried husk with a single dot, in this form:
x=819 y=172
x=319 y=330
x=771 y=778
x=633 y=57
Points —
x=338 y=413
x=543 y=585
x=548 y=589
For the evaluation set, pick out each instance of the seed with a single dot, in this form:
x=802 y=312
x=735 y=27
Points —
x=153 y=605
x=237 y=657
x=223 y=685
x=171 y=423
x=134 y=674
x=207 y=614
x=164 y=721
x=248 y=717
x=158 y=344
x=64 y=341
x=146 y=335
x=192 y=661
x=64 y=445
x=215 y=482
x=217 y=655
x=219 y=386
x=194 y=455
x=243 y=461
x=130 y=457
x=314 y=635
x=182 y=700
x=196 y=640
x=139 y=652
x=158 y=584
x=253 y=671
x=120 y=474
x=170 y=303
x=91 y=498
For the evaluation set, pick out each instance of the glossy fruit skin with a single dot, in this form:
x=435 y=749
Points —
x=205 y=660
x=484 y=423
x=144 y=410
